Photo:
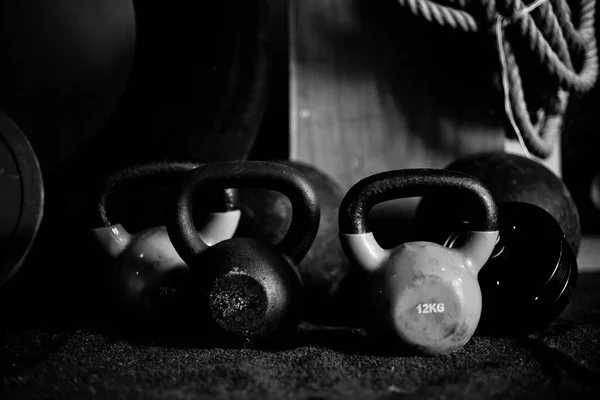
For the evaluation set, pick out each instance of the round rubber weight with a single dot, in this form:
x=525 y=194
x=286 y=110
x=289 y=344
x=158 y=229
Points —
x=21 y=197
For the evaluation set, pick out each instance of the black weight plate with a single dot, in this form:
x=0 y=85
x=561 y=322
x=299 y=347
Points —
x=21 y=197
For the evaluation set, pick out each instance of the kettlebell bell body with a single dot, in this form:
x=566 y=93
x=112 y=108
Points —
x=249 y=291
x=147 y=274
x=420 y=296
x=252 y=292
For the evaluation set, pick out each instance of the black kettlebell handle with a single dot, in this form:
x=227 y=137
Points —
x=397 y=184
x=228 y=202
x=247 y=174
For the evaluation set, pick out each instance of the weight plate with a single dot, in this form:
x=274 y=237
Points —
x=21 y=197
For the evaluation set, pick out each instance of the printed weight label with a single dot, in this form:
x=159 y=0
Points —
x=168 y=291
x=430 y=308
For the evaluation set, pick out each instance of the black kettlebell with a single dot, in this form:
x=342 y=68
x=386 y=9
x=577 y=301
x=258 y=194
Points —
x=249 y=291
x=420 y=296
x=147 y=276
x=530 y=277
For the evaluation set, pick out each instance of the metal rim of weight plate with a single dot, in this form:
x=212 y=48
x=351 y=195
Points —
x=15 y=246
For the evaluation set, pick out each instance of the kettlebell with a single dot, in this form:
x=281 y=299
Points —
x=147 y=274
x=420 y=297
x=249 y=290
x=532 y=273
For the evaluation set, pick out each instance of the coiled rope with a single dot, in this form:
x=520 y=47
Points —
x=558 y=36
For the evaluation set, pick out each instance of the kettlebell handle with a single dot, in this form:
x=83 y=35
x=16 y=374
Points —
x=247 y=174
x=397 y=184
x=228 y=201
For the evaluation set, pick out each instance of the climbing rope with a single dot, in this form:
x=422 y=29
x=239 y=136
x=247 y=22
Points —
x=559 y=40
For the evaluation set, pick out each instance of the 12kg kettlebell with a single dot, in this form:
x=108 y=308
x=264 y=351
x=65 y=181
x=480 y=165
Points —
x=420 y=295
x=147 y=273
x=249 y=291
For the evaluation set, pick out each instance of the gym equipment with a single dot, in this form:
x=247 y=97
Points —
x=530 y=277
x=21 y=197
x=325 y=270
x=510 y=178
x=147 y=274
x=420 y=295
x=249 y=290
